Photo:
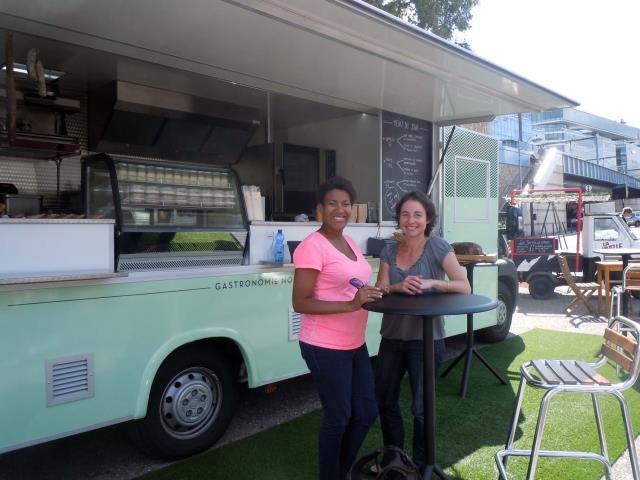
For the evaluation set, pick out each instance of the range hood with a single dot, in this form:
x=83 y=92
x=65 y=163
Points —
x=132 y=119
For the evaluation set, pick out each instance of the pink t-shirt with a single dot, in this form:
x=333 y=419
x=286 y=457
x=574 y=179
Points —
x=340 y=331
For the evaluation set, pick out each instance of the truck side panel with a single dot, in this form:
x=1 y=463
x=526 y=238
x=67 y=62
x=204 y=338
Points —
x=129 y=328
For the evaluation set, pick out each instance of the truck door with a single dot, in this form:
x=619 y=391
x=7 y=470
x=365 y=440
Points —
x=609 y=233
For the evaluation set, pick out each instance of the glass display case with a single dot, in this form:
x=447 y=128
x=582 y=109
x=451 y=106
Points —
x=167 y=214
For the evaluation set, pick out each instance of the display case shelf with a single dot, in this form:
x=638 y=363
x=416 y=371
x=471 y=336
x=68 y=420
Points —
x=137 y=206
x=171 y=184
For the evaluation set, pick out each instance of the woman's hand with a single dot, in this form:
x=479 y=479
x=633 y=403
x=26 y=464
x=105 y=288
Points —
x=412 y=285
x=365 y=295
x=428 y=283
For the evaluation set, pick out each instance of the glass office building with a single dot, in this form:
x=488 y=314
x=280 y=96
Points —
x=580 y=135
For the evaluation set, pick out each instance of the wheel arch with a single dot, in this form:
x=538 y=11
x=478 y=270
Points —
x=224 y=340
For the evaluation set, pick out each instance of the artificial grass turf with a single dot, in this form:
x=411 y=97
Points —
x=470 y=431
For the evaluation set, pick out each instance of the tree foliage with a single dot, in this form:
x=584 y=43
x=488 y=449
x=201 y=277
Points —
x=441 y=17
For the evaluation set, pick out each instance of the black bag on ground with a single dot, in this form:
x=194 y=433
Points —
x=399 y=467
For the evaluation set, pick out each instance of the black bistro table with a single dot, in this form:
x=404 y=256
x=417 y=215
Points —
x=430 y=305
x=625 y=254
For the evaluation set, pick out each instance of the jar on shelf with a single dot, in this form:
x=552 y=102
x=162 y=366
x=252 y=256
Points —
x=216 y=179
x=137 y=193
x=141 y=173
x=122 y=170
x=195 y=197
x=177 y=177
x=132 y=172
x=193 y=178
x=152 y=195
x=208 y=198
x=152 y=174
x=224 y=180
x=169 y=176
x=229 y=200
x=182 y=196
x=168 y=195
x=160 y=174
x=208 y=179
x=218 y=198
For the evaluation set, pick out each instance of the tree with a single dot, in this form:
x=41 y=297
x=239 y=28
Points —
x=441 y=17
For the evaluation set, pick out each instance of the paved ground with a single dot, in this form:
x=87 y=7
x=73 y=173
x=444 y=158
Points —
x=107 y=454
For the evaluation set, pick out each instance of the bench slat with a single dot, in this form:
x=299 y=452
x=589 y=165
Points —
x=582 y=377
x=588 y=369
x=618 y=357
x=561 y=372
x=627 y=343
x=545 y=372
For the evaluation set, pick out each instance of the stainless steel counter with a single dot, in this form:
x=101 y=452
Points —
x=58 y=278
x=38 y=221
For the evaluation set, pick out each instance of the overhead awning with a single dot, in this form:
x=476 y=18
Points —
x=340 y=52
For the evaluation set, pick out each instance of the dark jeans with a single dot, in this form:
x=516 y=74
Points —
x=395 y=358
x=345 y=383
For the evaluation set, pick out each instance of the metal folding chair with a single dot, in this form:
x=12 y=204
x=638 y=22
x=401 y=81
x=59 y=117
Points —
x=573 y=376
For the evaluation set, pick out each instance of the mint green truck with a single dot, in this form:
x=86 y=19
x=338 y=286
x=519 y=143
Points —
x=176 y=141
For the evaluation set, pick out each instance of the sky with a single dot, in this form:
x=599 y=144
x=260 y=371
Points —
x=587 y=50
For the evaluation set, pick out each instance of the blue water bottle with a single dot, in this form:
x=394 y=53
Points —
x=278 y=247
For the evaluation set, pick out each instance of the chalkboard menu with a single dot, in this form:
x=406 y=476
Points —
x=406 y=159
x=535 y=246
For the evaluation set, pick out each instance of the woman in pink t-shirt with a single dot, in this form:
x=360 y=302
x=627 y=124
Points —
x=333 y=327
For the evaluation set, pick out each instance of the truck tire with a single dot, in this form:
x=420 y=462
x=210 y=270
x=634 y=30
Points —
x=506 y=307
x=191 y=403
x=541 y=287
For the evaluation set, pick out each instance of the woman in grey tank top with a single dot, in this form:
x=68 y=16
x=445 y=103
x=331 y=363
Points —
x=417 y=263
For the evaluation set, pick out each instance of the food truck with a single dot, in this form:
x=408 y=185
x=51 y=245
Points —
x=150 y=152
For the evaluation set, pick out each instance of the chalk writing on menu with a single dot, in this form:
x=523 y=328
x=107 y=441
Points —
x=535 y=246
x=406 y=151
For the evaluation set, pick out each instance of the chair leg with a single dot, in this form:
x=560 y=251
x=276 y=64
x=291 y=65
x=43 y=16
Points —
x=568 y=309
x=514 y=419
x=537 y=438
x=633 y=455
x=601 y=435
x=587 y=303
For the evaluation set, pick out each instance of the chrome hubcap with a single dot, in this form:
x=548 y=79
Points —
x=190 y=402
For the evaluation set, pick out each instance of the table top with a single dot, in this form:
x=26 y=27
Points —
x=609 y=263
x=432 y=303
x=618 y=251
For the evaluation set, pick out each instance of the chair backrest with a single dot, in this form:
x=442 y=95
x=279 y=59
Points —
x=566 y=272
x=631 y=276
x=623 y=349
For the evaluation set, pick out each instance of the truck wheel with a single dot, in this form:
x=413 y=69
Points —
x=541 y=287
x=506 y=306
x=190 y=406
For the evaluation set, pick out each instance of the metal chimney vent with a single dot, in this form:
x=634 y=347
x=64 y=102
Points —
x=69 y=378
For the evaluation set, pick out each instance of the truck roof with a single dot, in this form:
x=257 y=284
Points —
x=344 y=53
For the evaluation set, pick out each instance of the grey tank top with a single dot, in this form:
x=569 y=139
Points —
x=429 y=265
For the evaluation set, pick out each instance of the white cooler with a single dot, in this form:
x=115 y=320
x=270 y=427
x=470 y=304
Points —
x=33 y=247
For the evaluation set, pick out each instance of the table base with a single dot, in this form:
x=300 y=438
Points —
x=468 y=354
